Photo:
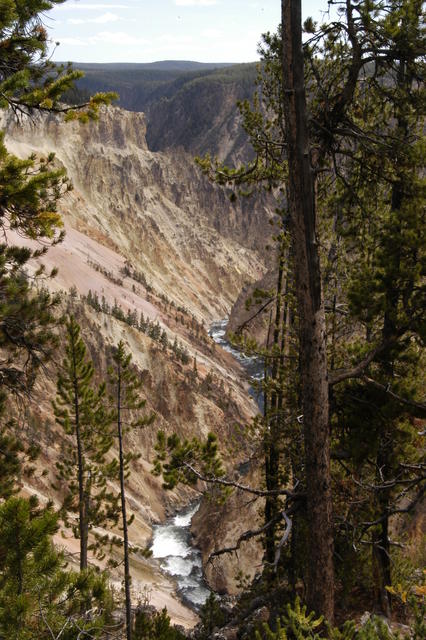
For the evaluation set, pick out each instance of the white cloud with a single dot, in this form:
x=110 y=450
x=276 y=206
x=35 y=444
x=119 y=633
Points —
x=195 y=3
x=103 y=19
x=169 y=38
x=75 y=42
x=117 y=37
x=212 y=33
x=69 y=6
x=120 y=38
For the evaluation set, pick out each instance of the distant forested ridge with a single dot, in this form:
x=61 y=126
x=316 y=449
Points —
x=179 y=97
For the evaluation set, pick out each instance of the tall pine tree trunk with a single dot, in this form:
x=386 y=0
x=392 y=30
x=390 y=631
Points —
x=127 y=578
x=272 y=421
x=381 y=545
x=82 y=502
x=313 y=357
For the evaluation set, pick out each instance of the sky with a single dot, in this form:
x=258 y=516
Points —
x=152 y=30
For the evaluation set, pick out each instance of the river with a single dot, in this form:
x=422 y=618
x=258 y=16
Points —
x=172 y=541
x=252 y=365
x=172 y=545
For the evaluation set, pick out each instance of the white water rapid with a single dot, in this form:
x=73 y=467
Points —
x=171 y=544
x=251 y=364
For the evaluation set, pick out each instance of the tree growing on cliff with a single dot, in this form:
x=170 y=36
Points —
x=125 y=386
x=363 y=120
x=80 y=409
x=38 y=597
x=30 y=191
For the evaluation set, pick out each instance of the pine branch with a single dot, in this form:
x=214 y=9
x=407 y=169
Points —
x=231 y=483
x=419 y=406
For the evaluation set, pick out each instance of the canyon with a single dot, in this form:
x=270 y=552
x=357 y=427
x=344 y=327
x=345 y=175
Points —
x=147 y=232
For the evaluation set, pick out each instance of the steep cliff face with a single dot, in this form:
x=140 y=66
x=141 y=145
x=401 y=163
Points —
x=156 y=209
x=181 y=405
x=157 y=216
x=219 y=526
x=251 y=316
x=191 y=106
x=207 y=107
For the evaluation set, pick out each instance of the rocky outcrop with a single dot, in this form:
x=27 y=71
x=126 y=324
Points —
x=207 y=107
x=189 y=106
x=249 y=315
x=156 y=214
x=156 y=209
x=219 y=525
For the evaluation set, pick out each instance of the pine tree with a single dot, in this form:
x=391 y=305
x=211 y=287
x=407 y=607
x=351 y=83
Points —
x=80 y=410
x=28 y=79
x=311 y=312
x=164 y=341
x=125 y=386
x=384 y=286
x=350 y=163
x=10 y=463
x=16 y=459
x=30 y=190
x=38 y=597
x=35 y=592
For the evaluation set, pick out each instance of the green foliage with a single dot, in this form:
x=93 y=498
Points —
x=211 y=616
x=294 y=625
x=10 y=463
x=15 y=460
x=298 y=623
x=376 y=629
x=412 y=597
x=155 y=626
x=28 y=79
x=143 y=324
x=125 y=385
x=366 y=129
x=186 y=460
x=379 y=190
x=130 y=386
x=80 y=409
x=38 y=597
x=30 y=190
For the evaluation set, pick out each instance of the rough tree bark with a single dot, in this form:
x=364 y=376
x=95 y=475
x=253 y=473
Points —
x=82 y=502
x=127 y=577
x=272 y=423
x=313 y=356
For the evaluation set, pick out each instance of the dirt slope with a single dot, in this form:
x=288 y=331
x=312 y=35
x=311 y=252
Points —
x=156 y=214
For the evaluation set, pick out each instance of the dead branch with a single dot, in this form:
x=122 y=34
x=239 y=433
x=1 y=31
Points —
x=242 y=487
x=244 y=324
x=253 y=533
x=357 y=371
x=289 y=524
x=247 y=535
x=420 y=406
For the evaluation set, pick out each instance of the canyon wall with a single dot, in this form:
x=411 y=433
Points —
x=134 y=213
